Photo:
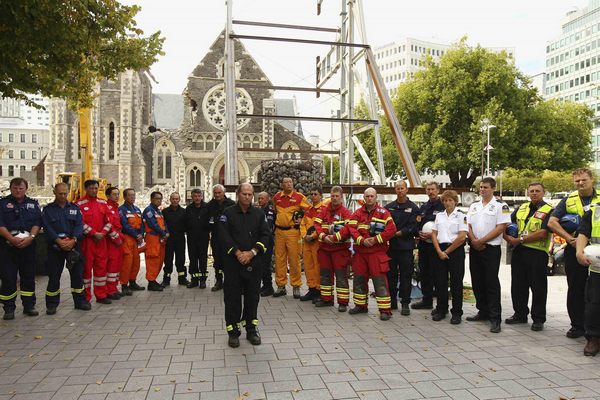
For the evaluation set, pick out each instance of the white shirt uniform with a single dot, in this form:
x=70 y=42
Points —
x=448 y=226
x=484 y=219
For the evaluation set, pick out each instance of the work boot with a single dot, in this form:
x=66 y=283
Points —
x=309 y=295
x=104 y=300
x=134 y=286
x=296 y=292
x=495 y=327
x=8 y=315
x=32 y=312
x=253 y=337
x=234 y=341
x=193 y=283
x=267 y=291
x=342 y=308
x=182 y=281
x=385 y=316
x=592 y=347
x=126 y=291
x=218 y=284
x=358 y=310
x=280 y=291
x=154 y=286
x=83 y=306
x=113 y=296
x=421 y=305
x=405 y=309
x=165 y=282
x=323 y=303
x=316 y=295
x=202 y=284
x=575 y=333
x=50 y=310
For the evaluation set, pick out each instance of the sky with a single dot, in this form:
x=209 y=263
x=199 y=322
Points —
x=191 y=26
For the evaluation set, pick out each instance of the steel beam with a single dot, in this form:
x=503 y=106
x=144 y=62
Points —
x=285 y=26
x=305 y=41
x=292 y=88
x=231 y=156
x=316 y=119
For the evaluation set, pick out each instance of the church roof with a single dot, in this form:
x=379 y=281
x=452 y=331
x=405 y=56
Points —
x=167 y=111
x=288 y=107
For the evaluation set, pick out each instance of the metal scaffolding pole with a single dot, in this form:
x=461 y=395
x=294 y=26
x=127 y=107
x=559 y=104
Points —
x=231 y=152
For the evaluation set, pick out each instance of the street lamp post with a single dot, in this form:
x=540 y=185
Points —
x=485 y=125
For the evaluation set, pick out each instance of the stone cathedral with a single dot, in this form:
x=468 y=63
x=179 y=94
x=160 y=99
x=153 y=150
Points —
x=140 y=139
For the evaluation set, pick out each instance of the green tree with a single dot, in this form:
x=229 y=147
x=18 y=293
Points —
x=336 y=169
x=63 y=48
x=441 y=106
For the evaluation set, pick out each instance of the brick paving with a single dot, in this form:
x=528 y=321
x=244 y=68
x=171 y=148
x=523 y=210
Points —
x=174 y=345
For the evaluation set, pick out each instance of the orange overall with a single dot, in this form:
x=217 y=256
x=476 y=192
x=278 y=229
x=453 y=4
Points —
x=155 y=243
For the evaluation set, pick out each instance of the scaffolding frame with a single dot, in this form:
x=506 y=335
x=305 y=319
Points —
x=352 y=16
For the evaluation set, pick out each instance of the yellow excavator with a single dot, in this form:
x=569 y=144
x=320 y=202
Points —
x=75 y=180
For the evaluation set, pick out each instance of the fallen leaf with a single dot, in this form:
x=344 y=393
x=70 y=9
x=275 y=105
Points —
x=246 y=394
x=337 y=335
x=179 y=342
x=481 y=376
x=64 y=341
x=202 y=380
x=424 y=370
x=157 y=390
x=425 y=349
x=173 y=381
x=37 y=337
x=304 y=361
x=98 y=383
x=296 y=390
x=141 y=370
x=31 y=355
x=119 y=387
x=18 y=335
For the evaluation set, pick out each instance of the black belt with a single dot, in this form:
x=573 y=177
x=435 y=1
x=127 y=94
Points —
x=492 y=245
x=287 y=228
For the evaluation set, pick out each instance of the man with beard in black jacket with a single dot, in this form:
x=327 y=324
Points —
x=216 y=206
x=198 y=236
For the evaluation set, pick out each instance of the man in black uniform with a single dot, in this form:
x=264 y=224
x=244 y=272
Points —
x=63 y=229
x=198 y=236
x=427 y=254
x=174 y=216
x=215 y=209
x=405 y=214
x=266 y=258
x=20 y=221
x=243 y=232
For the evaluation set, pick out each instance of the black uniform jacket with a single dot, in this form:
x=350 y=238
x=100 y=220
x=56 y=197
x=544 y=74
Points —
x=176 y=222
x=196 y=220
x=239 y=230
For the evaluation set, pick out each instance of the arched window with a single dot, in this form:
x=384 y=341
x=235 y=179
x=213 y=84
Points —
x=218 y=139
x=256 y=142
x=195 y=177
x=163 y=161
x=209 y=143
x=246 y=143
x=111 y=141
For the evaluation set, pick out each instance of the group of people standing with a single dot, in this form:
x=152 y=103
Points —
x=100 y=243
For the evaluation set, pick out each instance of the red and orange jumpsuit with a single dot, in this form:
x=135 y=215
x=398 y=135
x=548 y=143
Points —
x=312 y=269
x=333 y=258
x=371 y=261
x=115 y=249
x=95 y=219
x=287 y=237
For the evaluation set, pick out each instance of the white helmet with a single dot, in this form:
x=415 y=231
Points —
x=593 y=253
x=428 y=228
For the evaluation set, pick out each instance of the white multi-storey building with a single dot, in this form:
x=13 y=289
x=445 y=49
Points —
x=8 y=107
x=21 y=146
x=33 y=116
x=573 y=65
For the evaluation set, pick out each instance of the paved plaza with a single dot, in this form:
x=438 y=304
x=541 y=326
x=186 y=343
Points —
x=174 y=345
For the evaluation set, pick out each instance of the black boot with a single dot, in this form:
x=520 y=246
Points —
x=134 y=286
x=193 y=283
x=218 y=284
x=126 y=291
x=182 y=280
x=165 y=282
x=309 y=295
x=154 y=286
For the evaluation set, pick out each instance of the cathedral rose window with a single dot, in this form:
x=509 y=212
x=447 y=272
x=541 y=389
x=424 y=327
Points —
x=214 y=103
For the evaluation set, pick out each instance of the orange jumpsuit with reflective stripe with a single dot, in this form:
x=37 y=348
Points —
x=312 y=268
x=155 y=244
x=287 y=237
x=115 y=249
x=131 y=220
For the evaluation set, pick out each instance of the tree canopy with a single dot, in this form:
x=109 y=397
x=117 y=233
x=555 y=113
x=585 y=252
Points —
x=63 y=48
x=441 y=106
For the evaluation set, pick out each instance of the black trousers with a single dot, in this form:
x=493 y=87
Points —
x=592 y=306
x=217 y=253
x=22 y=262
x=577 y=276
x=455 y=266
x=427 y=260
x=485 y=265
x=529 y=272
x=175 y=248
x=198 y=252
x=265 y=260
x=55 y=263
x=240 y=283
x=401 y=266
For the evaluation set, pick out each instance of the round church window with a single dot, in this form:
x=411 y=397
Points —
x=214 y=106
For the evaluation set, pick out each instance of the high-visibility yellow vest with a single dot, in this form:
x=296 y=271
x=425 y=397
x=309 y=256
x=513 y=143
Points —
x=533 y=225
x=574 y=204
x=595 y=239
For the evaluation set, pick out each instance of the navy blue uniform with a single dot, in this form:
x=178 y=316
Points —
x=63 y=221
x=175 y=248
x=198 y=237
x=428 y=257
x=266 y=258
x=215 y=210
x=15 y=216
x=405 y=216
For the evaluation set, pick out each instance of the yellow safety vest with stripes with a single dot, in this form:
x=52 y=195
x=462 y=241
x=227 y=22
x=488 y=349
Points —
x=595 y=239
x=534 y=225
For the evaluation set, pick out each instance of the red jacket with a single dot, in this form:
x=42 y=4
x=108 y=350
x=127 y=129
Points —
x=325 y=217
x=95 y=216
x=115 y=234
x=358 y=228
